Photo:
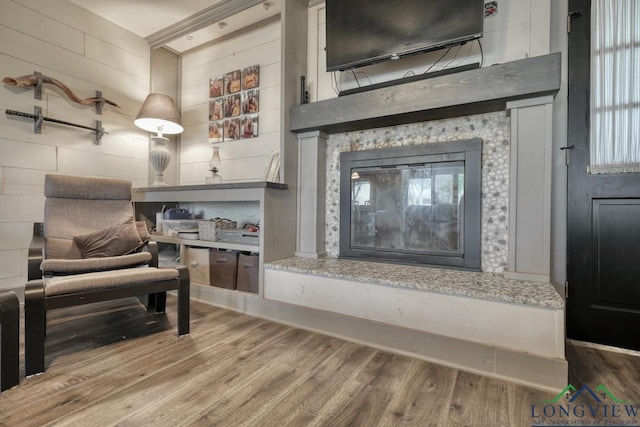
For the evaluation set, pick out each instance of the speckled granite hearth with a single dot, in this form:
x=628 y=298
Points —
x=488 y=286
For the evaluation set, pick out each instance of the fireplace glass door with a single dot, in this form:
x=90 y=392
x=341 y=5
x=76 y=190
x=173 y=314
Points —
x=413 y=204
x=409 y=208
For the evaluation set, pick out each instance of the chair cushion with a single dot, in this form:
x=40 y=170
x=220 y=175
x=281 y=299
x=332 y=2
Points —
x=118 y=239
x=86 y=188
x=74 y=266
x=62 y=285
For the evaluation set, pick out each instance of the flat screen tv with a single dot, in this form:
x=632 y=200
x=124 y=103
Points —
x=362 y=32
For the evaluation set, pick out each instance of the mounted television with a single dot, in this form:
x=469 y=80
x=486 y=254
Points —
x=363 y=32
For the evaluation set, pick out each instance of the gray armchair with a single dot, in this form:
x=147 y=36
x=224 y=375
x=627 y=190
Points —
x=88 y=250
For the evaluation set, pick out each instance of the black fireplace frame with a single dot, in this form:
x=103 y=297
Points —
x=469 y=151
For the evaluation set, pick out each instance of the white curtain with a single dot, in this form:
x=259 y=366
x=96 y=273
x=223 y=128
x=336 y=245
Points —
x=615 y=86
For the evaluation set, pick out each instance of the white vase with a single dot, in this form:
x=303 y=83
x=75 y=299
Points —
x=160 y=157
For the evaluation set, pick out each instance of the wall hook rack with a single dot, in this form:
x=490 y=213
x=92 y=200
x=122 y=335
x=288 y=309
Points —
x=37 y=89
x=38 y=118
x=37 y=80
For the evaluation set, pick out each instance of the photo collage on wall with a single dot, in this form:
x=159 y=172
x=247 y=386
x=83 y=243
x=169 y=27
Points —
x=234 y=102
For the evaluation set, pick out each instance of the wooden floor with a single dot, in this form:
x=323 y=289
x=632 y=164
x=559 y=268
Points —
x=116 y=364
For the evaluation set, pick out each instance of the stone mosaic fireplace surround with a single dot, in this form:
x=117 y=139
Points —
x=492 y=128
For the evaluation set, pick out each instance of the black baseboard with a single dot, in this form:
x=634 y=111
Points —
x=411 y=79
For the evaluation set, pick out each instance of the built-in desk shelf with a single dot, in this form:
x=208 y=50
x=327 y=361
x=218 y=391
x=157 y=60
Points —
x=277 y=215
x=205 y=243
x=228 y=192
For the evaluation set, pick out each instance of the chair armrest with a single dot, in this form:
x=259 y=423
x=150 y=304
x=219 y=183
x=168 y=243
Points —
x=152 y=247
x=35 y=254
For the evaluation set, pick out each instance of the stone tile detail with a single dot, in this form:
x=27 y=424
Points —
x=495 y=132
x=488 y=286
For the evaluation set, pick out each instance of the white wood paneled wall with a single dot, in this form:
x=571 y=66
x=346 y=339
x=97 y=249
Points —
x=87 y=53
x=245 y=159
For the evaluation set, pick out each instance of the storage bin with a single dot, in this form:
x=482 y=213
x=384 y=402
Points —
x=247 y=279
x=209 y=230
x=241 y=236
x=198 y=262
x=223 y=268
x=171 y=227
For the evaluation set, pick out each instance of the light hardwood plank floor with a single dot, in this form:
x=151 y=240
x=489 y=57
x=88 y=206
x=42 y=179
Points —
x=115 y=363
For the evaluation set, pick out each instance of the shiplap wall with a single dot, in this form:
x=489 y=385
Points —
x=244 y=159
x=87 y=53
x=519 y=30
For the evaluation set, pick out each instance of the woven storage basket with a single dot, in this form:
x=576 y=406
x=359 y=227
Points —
x=208 y=230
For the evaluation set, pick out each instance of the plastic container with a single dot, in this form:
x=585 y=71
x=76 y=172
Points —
x=177 y=213
x=159 y=219
x=171 y=227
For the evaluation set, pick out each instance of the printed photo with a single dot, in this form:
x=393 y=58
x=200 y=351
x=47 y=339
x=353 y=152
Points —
x=251 y=77
x=232 y=129
x=250 y=101
x=232 y=105
x=249 y=126
x=216 y=87
x=490 y=8
x=234 y=102
x=216 y=131
x=232 y=82
x=215 y=109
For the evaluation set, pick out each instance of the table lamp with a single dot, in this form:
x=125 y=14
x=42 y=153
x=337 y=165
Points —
x=159 y=114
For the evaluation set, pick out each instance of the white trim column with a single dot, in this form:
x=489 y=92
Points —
x=312 y=177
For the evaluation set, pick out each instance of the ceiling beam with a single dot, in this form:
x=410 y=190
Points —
x=199 y=20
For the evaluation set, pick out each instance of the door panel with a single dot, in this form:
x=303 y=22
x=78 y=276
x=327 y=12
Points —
x=603 y=220
x=616 y=231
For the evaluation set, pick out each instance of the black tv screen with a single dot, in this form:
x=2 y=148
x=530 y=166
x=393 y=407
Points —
x=362 y=32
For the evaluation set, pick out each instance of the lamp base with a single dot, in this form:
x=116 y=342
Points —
x=214 y=178
x=159 y=157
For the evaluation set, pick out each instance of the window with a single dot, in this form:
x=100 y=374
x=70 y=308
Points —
x=615 y=86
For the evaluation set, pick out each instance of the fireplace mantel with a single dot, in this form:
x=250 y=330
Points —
x=476 y=91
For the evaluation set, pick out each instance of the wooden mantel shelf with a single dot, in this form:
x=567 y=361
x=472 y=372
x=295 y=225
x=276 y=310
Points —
x=476 y=91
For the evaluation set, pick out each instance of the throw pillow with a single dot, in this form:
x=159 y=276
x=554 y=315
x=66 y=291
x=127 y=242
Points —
x=119 y=239
x=143 y=232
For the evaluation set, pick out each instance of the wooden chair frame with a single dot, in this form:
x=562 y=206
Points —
x=9 y=340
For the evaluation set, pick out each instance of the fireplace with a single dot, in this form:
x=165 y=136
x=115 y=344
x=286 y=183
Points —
x=508 y=106
x=418 y=204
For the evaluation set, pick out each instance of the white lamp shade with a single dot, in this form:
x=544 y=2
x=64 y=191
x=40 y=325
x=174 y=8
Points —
x=159 y=114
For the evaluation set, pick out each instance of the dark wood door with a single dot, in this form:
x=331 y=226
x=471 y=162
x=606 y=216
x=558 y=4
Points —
x=603 y=220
